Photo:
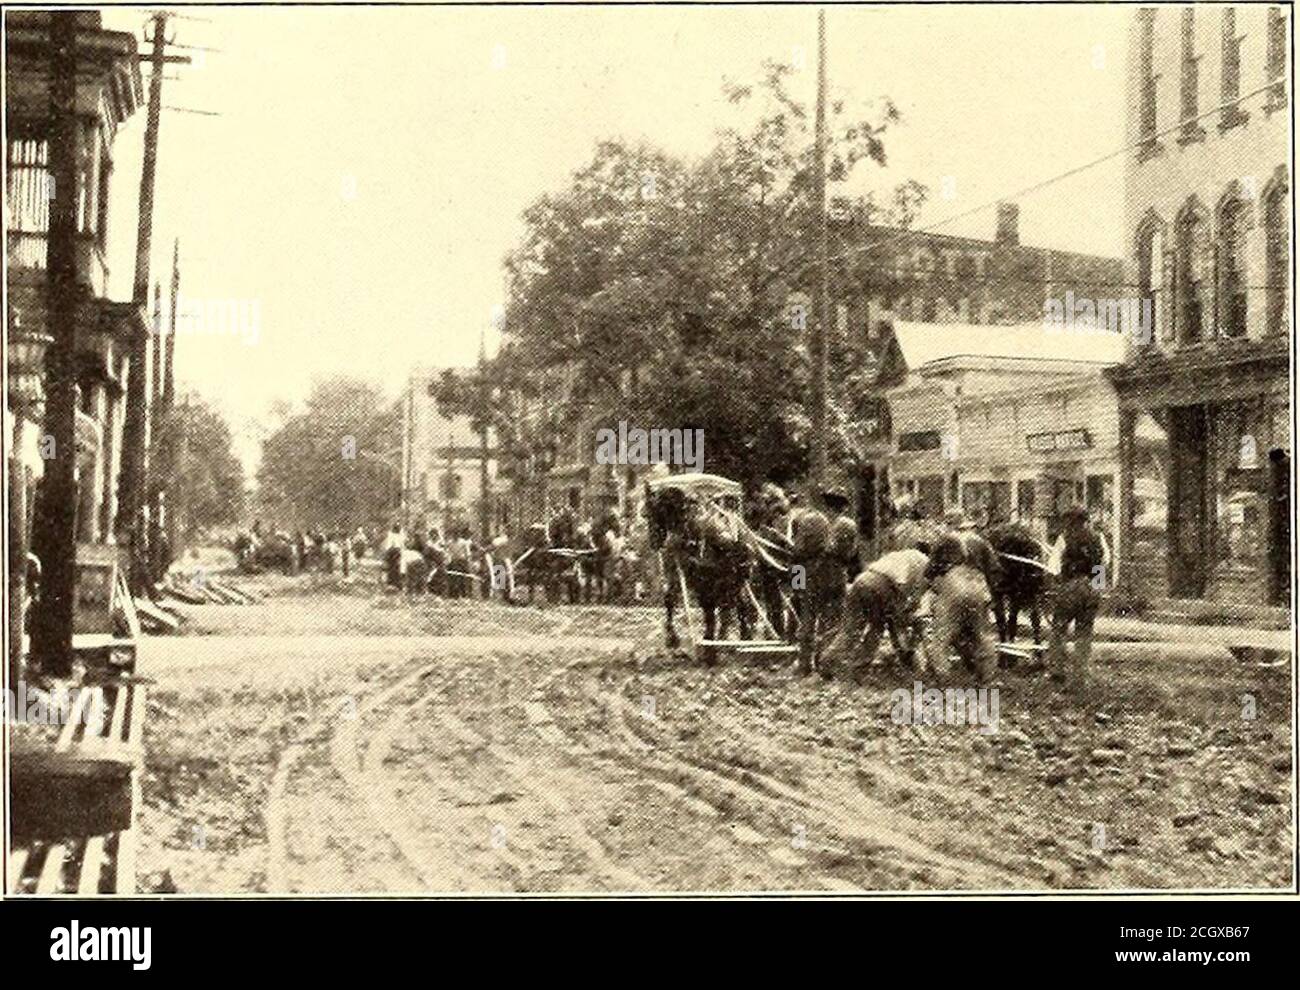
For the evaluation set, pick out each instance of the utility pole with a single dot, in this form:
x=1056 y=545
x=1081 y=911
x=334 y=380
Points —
x=155 y=432
x=168 y=391
x=155 y=353
x=133 y=482
x=165 y=509
x=55 y=523
x=484 y=481
x=822 y=305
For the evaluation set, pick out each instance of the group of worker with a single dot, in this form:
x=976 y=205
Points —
x=930 y=592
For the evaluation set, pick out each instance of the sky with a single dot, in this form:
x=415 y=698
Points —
x=348 y=210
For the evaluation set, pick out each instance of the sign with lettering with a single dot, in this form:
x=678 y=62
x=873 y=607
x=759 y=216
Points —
x=1045 y=443
x=919 y=440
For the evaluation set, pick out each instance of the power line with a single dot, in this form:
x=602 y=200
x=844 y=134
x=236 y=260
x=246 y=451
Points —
x=1145 y=140
x=1064 y=282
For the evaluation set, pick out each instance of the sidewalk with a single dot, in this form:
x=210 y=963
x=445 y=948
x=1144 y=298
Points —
x=1113 y=629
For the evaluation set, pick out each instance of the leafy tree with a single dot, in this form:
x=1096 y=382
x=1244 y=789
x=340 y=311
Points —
x=336 y=463
x=659 y=290
x=207 y=484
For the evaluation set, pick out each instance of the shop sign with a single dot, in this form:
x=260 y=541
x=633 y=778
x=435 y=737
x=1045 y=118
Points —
x=919 y=440
x=1045 y=443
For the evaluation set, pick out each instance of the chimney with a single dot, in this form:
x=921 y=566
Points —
x=1008 y=224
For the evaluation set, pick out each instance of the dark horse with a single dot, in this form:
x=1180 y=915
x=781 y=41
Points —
x=700 y=547
x=1017 y=584
x=541 y=562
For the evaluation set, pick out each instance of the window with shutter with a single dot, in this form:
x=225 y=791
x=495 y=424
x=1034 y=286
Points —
x=1190 y=82
x=1276 y=64
x=1147 y=84
x=1230 y=74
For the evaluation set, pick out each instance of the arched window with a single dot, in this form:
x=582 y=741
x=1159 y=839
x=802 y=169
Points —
x=1231 y=253
x=1192 y=273
x=1277 y=253
x=1150 y=277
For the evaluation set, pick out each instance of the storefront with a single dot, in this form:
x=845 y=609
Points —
x=1002 y=422
x=1206 y=461
x=1024 y=454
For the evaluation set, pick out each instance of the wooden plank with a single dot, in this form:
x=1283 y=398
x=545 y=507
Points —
x=219 y=594
x=124 y=604
x=168 y=606
x=92 y=860
x=74 y=718
x=152 y=613
x=51 y=880
x=17 y=864
x=741 y=643
x=231 y=592
x=121 y=699
x=124 y=863
x=138 y=694
x=187 y=595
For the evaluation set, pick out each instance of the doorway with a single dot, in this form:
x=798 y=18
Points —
x=1189 y=451
x=1279 y=530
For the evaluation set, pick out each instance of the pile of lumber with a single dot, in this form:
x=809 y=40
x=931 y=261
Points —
x=205 y=589
x=162 y=614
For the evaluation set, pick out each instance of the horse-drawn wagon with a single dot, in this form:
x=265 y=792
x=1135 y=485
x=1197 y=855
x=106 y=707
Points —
x=705 y=550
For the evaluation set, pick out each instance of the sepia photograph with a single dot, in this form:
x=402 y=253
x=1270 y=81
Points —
x=670 y=451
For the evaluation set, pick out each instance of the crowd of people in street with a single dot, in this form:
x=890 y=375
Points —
x=933 y=587
x=802 y=573
x=328 y=552
x=588 y=561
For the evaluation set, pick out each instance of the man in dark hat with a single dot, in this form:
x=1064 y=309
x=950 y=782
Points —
x=1079 y=560
x=844 y=531
x=825 y=559
x=769 y=520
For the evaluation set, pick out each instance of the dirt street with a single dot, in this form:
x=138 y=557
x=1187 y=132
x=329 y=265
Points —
x=336 y=740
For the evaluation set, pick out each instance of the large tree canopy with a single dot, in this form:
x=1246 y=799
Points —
x=661 y=288
x=335 y=463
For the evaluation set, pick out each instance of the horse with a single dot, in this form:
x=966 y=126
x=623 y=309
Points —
x=531 y=566
x=701 y=548
x=542 y=562
x=1018 y=583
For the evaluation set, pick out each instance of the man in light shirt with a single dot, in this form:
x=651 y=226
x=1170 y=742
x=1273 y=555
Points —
x=883 y=598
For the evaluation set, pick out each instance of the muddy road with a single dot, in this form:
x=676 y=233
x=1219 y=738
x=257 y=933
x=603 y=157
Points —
x=346 y=742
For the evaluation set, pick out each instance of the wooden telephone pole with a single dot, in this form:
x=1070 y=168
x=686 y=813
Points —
x=821 y=324
x=54 y=536
x=155 y=475
x=133 y=482
x=163 y=464
x=484 y=478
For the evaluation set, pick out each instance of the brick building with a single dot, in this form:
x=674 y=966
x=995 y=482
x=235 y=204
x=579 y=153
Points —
x=930 y=277
x=1205 y=410
x=109 y=91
